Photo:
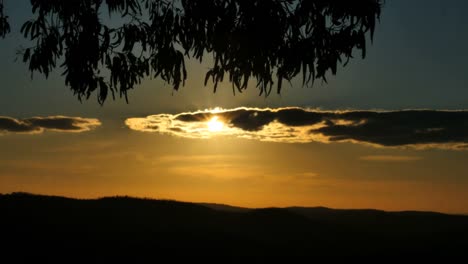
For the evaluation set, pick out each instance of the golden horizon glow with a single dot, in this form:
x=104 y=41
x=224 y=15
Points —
x=223 y=156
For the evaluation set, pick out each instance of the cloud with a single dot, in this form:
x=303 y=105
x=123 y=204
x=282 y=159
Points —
x=219 y=167
x=35 y=125
x=198 y=158
x=390 y=158
x=406 y=128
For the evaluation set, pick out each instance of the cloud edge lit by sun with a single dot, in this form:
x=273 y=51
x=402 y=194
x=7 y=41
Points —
x=417 y=129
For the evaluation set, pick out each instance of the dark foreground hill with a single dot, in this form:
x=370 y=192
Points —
x=43 y=227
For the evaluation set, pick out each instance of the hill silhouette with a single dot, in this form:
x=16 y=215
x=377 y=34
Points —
x=115 y=228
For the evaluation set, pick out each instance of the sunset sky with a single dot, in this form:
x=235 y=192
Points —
x=388 y=132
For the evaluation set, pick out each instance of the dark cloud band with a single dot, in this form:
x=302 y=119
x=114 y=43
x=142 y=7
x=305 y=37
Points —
x=415 y=128
x=36 y=125
x=400 y=128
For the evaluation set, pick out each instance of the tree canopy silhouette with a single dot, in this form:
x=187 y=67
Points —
x=269 y=40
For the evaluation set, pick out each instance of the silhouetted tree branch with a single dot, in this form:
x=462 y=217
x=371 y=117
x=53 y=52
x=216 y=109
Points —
x=4 y=25
x=269 y=40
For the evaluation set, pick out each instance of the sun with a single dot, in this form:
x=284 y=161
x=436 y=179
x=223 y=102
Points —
x=215 y=125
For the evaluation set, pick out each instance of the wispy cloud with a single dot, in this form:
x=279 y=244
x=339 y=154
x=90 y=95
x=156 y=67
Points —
x=198 y=158
x=219 y=167
x=36 y=125
x=406 y=128
x=390 y=158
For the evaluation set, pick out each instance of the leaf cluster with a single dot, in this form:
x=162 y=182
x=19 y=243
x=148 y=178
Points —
x=4 y=25
x=271 y=41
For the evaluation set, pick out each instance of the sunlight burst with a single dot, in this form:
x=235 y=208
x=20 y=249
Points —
x=215 y=125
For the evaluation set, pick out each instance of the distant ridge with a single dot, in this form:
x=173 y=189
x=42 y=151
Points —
x=38 y=227
x=227 y=208
x=231 y=208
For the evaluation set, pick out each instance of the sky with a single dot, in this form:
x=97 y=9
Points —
x=389 y=131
